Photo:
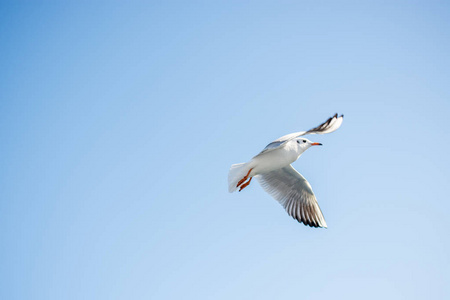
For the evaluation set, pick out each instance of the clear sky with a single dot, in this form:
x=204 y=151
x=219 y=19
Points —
x=119 y=123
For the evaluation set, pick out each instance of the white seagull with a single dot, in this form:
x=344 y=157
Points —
x=272 y=167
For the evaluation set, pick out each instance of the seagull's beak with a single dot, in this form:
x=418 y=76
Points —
x=316 y=144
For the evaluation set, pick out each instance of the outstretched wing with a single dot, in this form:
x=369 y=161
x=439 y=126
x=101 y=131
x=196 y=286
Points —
x=294 y=192
x=330 y=125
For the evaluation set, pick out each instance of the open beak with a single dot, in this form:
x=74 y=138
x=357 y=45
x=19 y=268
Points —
x=316 y=144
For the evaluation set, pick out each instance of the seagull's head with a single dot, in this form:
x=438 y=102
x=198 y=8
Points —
x=304 y=144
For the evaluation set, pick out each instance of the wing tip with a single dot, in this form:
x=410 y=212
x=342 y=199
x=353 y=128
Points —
x=330 y=125
x=320 y=224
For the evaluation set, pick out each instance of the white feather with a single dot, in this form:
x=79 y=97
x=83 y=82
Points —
x=236 y=173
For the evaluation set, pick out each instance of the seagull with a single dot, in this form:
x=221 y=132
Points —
x=272 y=167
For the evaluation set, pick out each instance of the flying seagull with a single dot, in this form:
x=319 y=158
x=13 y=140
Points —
x=272 y=167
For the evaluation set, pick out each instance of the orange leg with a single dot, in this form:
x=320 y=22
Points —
x=244 y=179
x=245 y=184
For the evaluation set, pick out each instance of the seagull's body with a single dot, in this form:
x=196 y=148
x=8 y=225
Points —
x=272 y=167
x=275 y=159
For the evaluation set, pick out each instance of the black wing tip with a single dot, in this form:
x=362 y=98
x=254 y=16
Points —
x=307 y=223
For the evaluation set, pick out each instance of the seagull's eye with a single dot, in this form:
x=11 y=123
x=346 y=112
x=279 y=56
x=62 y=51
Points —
x=304 y=141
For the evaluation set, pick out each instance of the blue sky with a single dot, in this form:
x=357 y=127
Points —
x=119 y=123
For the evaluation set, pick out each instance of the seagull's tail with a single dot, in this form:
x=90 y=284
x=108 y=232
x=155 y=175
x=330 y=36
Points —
x=236 y=173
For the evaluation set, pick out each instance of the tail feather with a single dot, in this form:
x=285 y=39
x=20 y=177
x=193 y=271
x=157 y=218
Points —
x=236 y=173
